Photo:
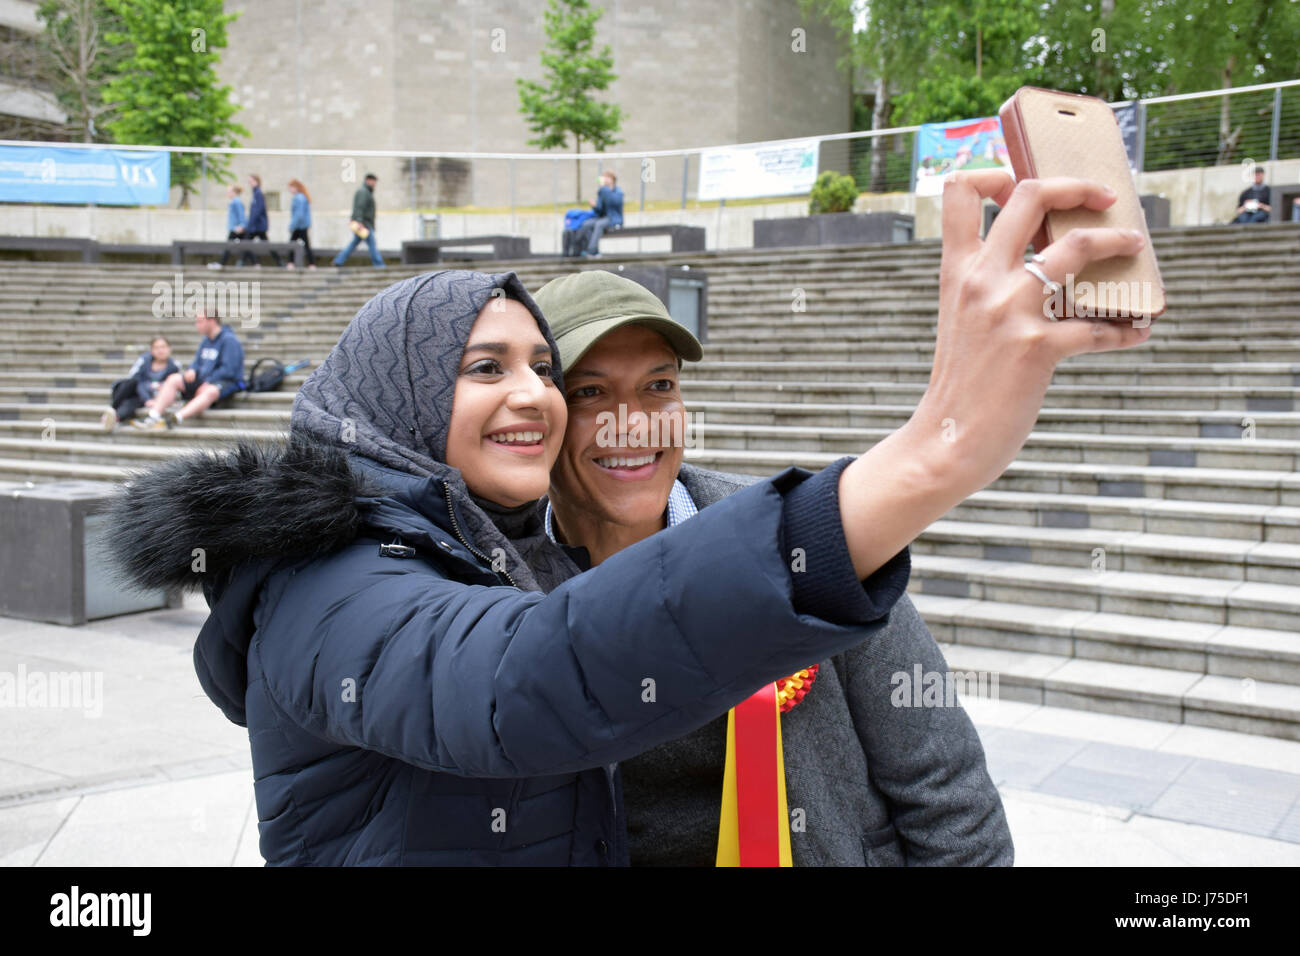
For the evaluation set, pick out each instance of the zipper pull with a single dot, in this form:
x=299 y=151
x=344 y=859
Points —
x=396 y=550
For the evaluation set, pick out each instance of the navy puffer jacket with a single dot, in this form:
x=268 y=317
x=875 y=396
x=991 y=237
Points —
x=416 y=710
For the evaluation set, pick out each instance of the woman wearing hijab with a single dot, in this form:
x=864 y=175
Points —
x=424 y=678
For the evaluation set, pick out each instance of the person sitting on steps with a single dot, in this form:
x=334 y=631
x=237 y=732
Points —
x=217 y=372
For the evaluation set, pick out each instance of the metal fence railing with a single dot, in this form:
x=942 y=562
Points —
x=1211 y=128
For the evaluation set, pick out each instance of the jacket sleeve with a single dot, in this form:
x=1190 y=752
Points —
x=927 y=760
x=139 y=374
x=359 y=204
x=489 y=681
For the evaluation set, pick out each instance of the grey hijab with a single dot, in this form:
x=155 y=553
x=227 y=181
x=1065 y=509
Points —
x=385 y=393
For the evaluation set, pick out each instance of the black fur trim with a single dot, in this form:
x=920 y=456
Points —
x=254 y=500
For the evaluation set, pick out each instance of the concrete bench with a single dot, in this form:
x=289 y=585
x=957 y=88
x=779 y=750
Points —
x=105 y=250
x=423 y=251
x=194 y=247
x=684 y=238
x=833 y=229
x=1281 y=202
x=82 y=249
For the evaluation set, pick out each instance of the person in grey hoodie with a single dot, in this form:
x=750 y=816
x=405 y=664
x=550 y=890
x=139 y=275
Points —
x=877 y=784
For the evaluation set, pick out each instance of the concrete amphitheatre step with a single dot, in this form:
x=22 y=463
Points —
x=88 y=413
x=1152 y=693
x=1170 y=423
x=1140 y=450
x=1138 y=453
x=1220 y=398
x=1147 y=594
x=95 y=388
x=1183 y=554
x=1234 y=678
x=1264 y=489
x=1243 y=522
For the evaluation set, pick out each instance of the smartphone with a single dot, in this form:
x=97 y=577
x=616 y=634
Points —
x=1049 y=133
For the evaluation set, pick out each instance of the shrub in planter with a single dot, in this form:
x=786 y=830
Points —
x=832 y=192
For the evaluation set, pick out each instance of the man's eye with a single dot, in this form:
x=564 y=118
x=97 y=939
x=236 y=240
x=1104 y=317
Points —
x=663 y=385
x=586 y=391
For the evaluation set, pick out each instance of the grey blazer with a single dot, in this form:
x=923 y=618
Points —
x=879 y=784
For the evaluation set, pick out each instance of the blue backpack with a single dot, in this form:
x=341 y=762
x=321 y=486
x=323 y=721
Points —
x=574 y=218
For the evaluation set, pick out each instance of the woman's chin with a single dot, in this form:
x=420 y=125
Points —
x=512 y=494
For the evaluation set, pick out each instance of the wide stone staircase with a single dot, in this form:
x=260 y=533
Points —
x=1140 y=557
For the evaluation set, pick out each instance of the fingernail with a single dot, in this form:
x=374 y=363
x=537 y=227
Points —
x=1137 y=234
x=1108 y=190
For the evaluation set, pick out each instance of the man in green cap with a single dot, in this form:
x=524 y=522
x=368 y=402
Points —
x=877 y=785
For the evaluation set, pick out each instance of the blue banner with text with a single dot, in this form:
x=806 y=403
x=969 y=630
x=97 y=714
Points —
x=107 y=177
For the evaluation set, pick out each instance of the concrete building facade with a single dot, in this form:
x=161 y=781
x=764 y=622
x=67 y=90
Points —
x=439 y=76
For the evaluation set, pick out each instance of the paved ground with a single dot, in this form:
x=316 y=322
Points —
x=158 y=776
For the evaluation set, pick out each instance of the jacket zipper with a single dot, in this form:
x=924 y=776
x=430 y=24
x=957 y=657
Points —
x=455 y=527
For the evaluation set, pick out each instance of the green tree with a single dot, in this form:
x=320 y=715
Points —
x=1209 y=44
x=562 y=105
x=167 y=89
x=76 y=60
x=973 y=56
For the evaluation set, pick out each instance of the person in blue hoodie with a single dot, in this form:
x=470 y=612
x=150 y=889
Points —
x=258 y=224
x=217 y=372
x=300 y=220
x=236 y=220
x=148 y=373
x=608 y=209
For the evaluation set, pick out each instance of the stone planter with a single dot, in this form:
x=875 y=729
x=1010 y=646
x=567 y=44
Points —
x=833 y=229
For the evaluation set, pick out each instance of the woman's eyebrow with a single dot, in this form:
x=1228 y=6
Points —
x=501 y=348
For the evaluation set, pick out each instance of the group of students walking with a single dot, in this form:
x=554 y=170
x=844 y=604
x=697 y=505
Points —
x=253 y=224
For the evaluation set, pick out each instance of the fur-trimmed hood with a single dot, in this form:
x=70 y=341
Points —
x=223 y=521
x=201 y=514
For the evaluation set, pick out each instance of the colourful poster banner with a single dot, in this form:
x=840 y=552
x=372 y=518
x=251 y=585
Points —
x=942 y=148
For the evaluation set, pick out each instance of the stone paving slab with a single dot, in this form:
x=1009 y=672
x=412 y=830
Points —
x=162 y=778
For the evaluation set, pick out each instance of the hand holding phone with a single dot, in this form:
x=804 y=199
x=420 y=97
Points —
x=1052 y=134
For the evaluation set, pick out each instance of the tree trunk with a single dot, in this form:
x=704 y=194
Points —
x=1102 y=65
x=879 y=148
x=1227 y=145
x=577 y=170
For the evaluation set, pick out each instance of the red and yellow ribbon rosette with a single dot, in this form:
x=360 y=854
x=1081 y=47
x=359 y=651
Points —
x=754 y=829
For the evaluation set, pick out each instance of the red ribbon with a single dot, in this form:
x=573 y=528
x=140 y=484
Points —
x=758 y=804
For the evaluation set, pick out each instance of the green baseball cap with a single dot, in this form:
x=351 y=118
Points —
x=585 y=306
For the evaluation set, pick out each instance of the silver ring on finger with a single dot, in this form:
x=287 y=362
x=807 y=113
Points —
x=1048 y=285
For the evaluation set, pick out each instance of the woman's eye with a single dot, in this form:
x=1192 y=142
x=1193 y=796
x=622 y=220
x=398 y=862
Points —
x=544 y=369
x=484 y=367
